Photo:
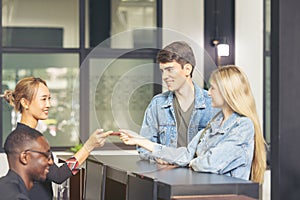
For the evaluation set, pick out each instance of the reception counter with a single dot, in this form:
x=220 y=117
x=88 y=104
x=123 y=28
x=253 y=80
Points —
x=127 y=177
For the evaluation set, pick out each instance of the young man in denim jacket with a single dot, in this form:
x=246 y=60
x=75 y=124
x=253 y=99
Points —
x=174 y=117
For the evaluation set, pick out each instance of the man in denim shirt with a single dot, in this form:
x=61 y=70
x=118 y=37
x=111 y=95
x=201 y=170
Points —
x=174 y=117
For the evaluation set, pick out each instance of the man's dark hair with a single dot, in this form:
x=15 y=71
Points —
x=16 y=141
x=178 y=51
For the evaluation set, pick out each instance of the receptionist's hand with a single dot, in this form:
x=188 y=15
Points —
x=97 y=139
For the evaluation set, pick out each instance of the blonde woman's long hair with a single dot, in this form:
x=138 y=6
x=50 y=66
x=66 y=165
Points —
x=235 y=89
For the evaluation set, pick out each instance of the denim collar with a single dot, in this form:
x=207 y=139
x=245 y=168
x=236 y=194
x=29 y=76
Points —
x=215 y=125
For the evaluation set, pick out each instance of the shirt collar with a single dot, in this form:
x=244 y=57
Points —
x=20 y=182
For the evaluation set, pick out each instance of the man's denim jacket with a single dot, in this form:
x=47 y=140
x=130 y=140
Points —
x=226 y=149
x=159 y=124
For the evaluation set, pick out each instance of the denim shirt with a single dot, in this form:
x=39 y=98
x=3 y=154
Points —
x=224 y=149
x=159 y=124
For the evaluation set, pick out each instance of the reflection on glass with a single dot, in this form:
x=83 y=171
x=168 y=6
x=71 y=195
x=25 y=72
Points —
x=110 y=17
x=40 y=23
x=60 y=72
x=120 y=91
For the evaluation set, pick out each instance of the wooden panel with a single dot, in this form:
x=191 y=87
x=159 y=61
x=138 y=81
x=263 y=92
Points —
x=77 y=185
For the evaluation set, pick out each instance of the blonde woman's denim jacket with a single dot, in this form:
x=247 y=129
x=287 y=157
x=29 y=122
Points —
x=159 y=124
x=224 y=149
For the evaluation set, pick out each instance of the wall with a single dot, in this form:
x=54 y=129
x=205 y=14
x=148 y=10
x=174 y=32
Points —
x=249 y=45
x=3 y=164
x=186 y=17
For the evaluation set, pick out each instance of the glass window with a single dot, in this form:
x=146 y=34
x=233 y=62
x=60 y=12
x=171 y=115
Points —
x=42 y=38
x=40 y=23
x=110 y=17
x=120 y=91
x=60 y=71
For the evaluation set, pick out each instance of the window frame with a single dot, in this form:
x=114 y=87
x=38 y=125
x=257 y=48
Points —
x=83 y=52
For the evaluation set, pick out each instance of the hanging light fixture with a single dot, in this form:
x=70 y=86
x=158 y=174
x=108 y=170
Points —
x=223 y=49
x=219 y=42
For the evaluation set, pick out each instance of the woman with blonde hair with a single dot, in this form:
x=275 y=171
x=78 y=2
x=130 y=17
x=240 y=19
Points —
x=31 y=97
x=231 y=144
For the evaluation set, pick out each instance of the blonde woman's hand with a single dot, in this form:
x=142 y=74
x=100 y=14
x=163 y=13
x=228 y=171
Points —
x=128 y=137
x=131 y=138
x=191 y=163
x=161 y=162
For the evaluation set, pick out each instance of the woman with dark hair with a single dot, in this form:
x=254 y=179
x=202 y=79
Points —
x=31 y=97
